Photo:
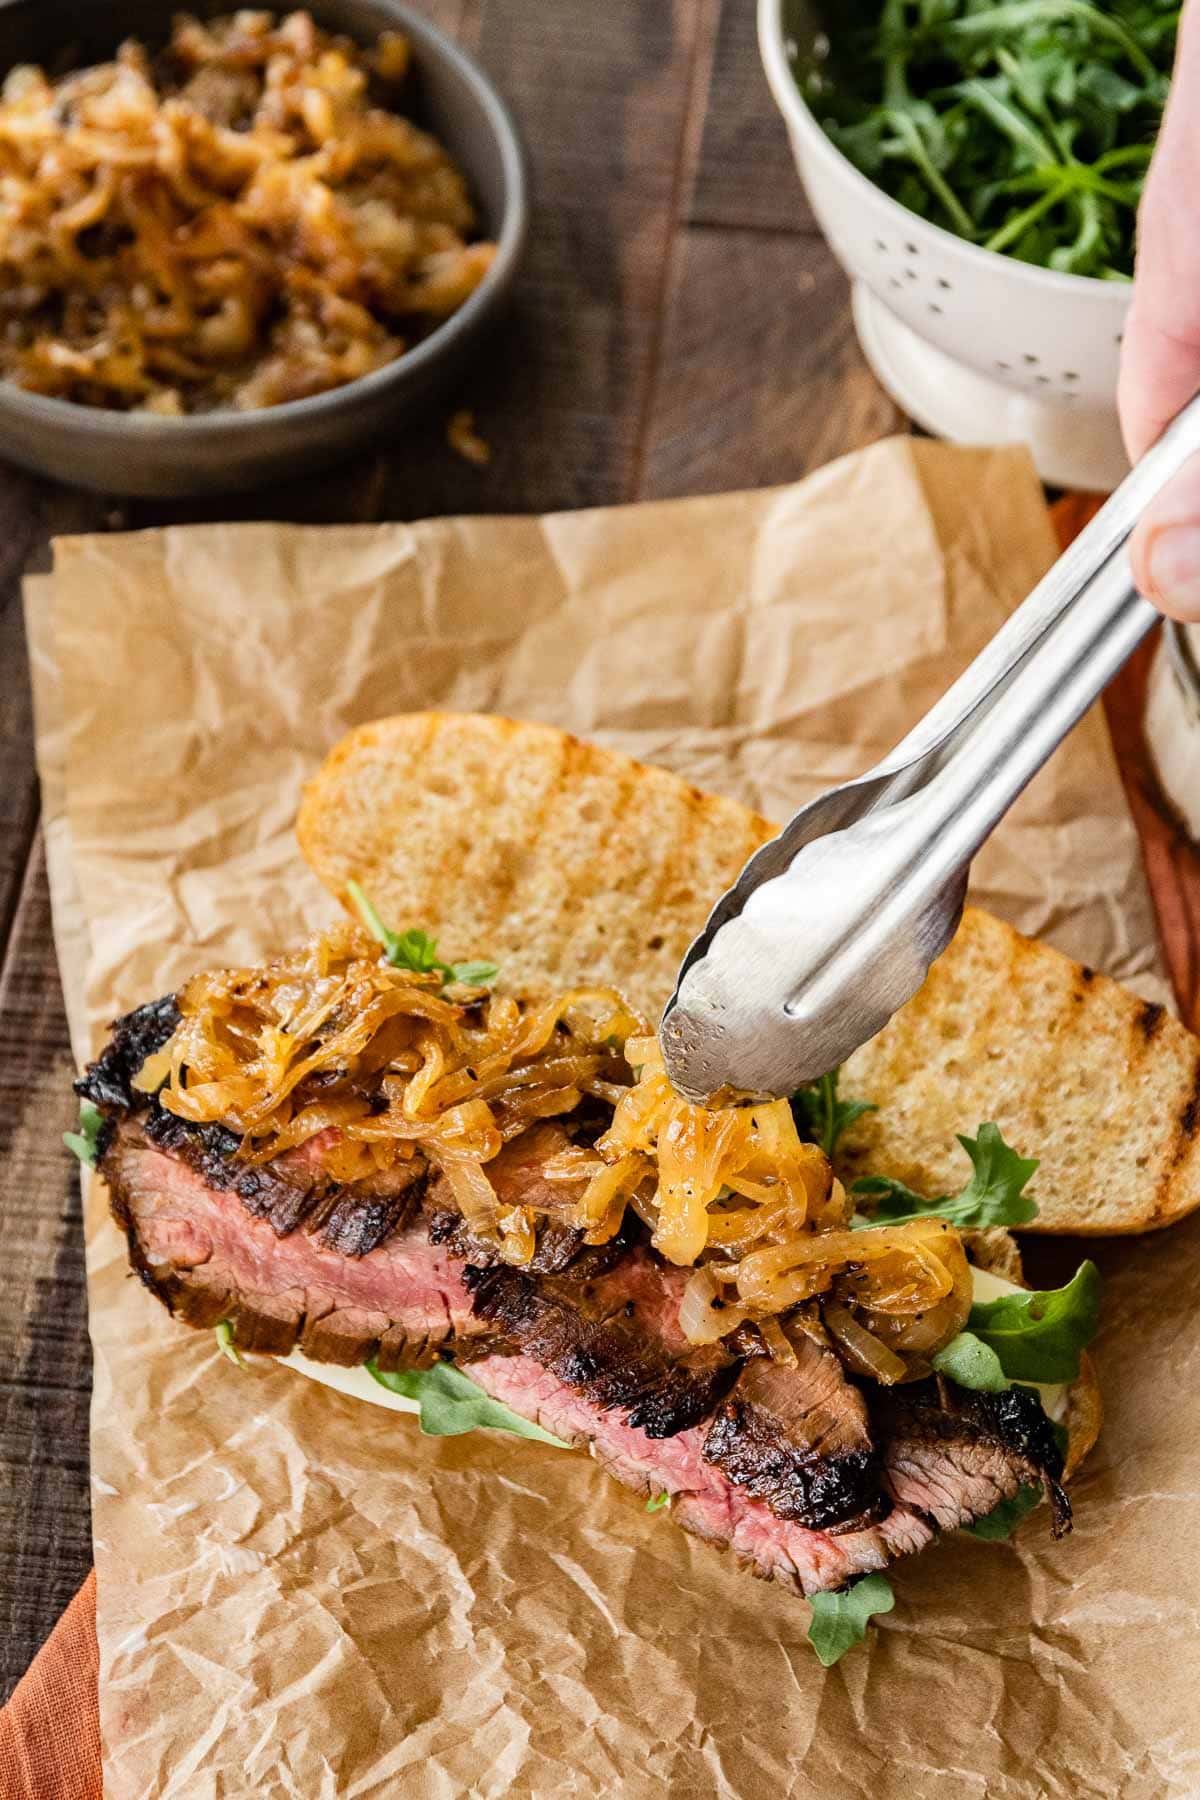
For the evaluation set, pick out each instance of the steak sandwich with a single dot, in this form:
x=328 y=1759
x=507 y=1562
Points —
x=473 y=1182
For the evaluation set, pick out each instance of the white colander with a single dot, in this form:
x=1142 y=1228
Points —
x=974 y=346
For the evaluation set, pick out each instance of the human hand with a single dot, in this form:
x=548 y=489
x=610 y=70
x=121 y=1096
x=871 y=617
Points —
x=1160 y=357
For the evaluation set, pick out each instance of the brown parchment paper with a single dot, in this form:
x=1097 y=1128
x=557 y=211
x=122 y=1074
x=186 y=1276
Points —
x=299 y=1595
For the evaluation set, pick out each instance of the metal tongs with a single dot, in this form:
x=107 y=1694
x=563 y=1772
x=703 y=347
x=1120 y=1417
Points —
x=834 y=924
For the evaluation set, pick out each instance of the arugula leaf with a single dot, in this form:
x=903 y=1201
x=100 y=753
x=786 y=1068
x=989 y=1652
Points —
x=451 y=1403
x=223 y=1333
x=416 y=950
x=1039 y=1336
x=993 y=1196
x=839 y=1621
x=821 y=1117
x=1003 y=1520
x=972 y=1363
x=474 y=974
x=85 y=1143
x=657 y=1502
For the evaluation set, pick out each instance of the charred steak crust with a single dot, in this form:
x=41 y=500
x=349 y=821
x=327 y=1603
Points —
x=560 y=1248
x=292 y=1191
x=288 y=1193
x=824 y=1493
x=198 y=1250
x=108 y=1082
x=607 y=1360
x=1017 y=1420
x=953 y=1453
x=799 y=1438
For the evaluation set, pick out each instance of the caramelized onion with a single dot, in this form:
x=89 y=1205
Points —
x=518 y=1236
x=703 y=1315
x=776 y=1339
x=751 y=1153
x=863 y=1351
x=889 y=1267
x=924 y=1330
x=243 y=221
x=474 y=1195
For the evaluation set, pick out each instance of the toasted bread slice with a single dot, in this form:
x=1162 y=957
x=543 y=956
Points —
x=569 y=865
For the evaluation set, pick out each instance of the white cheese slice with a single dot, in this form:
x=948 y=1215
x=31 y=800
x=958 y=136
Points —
x=358 y=1383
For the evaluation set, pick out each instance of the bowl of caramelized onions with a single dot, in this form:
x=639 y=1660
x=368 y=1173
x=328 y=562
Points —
x=235 y=246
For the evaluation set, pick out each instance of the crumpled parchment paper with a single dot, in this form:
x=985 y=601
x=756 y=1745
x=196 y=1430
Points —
x=301 y=1596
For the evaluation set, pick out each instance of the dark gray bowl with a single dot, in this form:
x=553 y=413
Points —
x=120 y=453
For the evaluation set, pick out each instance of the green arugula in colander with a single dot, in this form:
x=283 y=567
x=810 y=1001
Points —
x=1025 y=126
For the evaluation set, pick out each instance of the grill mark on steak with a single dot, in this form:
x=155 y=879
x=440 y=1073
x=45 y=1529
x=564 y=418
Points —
x=560 y=1248
x=954 y=1455
x=603 y=1353
x=359 y=1220
x=516 y=1175
x=292 y=1190
x=799 y=1438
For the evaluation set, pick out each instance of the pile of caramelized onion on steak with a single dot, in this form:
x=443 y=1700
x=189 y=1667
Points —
x=365 y=1066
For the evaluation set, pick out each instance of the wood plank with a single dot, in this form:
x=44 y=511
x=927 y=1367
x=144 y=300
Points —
x=761 y=378
x=602 y=103
x=45 y=1363
x=745 y=176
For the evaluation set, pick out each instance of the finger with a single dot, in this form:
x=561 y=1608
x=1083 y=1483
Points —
x=1165 y=548
x=1160 y=367
x=1160 y=361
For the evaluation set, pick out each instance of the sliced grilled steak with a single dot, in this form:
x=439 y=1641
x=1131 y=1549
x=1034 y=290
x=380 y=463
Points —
x=293 y=1190
x=560 y=1248
x=800 y=1439
x=198 y=1248
x=954 y=1455
x=405 y=1302
x=704 y=1501
x=290 y=1191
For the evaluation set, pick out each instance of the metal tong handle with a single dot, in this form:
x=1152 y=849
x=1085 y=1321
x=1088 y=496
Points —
x=1031 y=715
x=927 y=838
x=964 y=702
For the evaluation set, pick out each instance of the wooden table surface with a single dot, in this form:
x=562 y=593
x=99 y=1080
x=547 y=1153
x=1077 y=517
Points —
x=681 y=328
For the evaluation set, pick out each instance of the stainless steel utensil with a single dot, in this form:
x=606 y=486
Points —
x=833 y=925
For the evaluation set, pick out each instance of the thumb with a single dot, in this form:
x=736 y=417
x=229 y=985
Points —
x=1165 y=548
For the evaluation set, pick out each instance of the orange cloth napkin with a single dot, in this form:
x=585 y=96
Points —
x=50 y=1729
